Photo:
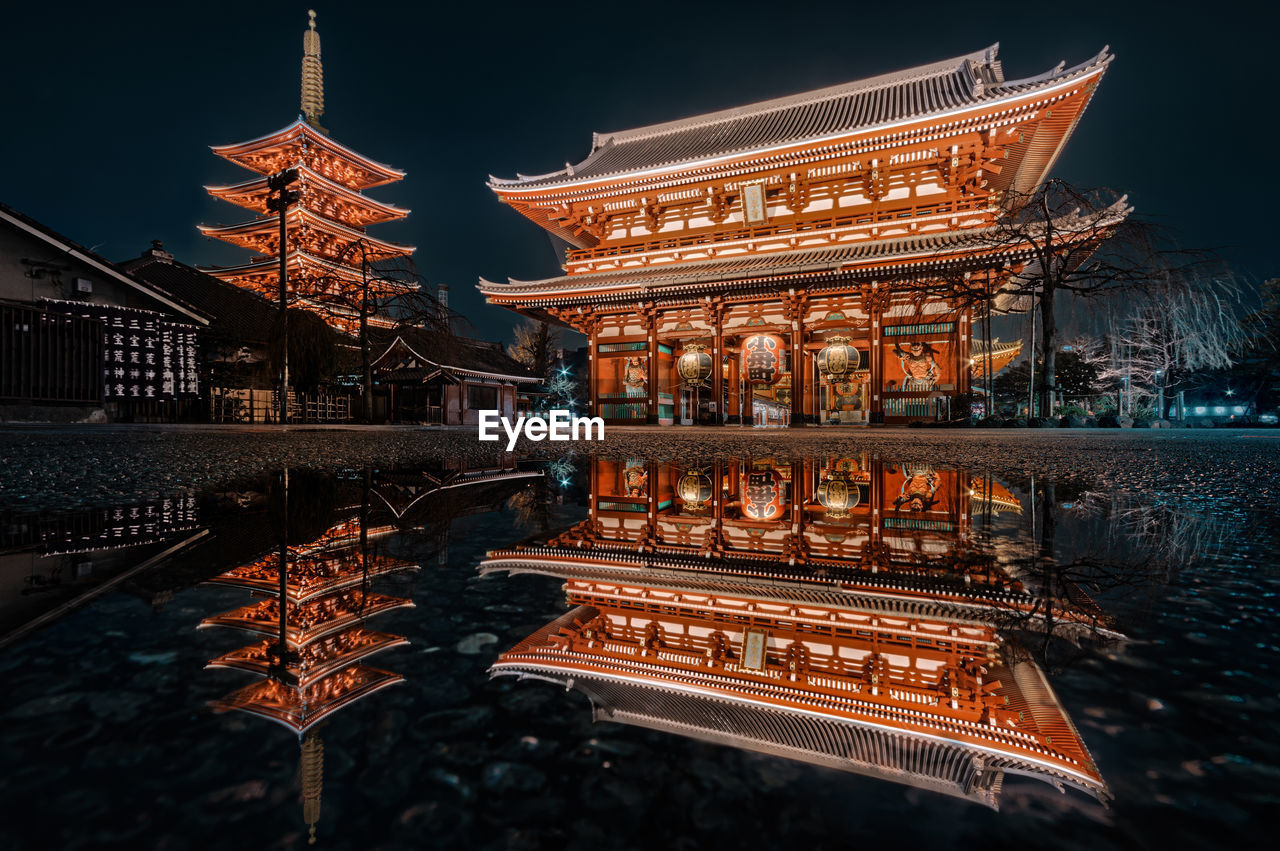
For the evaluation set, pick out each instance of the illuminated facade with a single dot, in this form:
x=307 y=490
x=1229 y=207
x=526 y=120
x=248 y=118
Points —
x=328 y=249
x=833 y=612
x=764 y=238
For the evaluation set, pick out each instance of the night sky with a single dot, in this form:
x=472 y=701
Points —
x=109 y=109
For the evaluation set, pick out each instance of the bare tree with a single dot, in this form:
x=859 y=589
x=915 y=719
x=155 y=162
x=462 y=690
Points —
x=388 y=294
x=534 y=346
x=1261 y=355
x=1177 y=325
x=1081 y=243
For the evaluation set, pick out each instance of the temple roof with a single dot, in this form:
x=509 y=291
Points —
x=293 y=145
x=878 y=255
x=886 y=258
x=357 y=209
x=664 y=691
x=238 y=315
x=461 y=355
x=309 y=577
x=940 y=88
x=302 y=708
x=269 y=268
x=256 y=233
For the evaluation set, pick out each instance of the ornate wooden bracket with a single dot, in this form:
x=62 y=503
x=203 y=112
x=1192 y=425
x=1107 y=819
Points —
x=874 y=301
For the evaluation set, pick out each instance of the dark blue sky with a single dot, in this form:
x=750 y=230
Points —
x=108 y=109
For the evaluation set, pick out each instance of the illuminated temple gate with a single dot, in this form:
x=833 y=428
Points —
x=767 y=263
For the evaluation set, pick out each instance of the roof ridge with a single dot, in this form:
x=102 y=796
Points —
x=983 y=58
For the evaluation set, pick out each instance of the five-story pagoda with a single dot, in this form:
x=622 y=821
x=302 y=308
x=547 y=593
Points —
x=328 y=252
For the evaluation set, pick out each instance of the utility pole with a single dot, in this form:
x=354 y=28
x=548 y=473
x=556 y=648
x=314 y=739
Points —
x=278 y=201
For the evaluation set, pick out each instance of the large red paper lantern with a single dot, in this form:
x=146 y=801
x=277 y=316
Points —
x=762 y=495
x=762 y=358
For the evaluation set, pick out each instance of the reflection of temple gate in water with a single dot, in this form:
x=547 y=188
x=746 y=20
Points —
x=835 y=612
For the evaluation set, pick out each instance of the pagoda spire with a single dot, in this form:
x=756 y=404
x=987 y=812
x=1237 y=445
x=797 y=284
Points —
x=312 y=75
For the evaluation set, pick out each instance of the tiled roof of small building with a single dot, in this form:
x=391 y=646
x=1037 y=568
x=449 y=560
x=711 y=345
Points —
x=237 y=314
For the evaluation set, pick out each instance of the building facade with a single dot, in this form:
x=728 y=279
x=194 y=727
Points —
x=781 y=262
x=447 y=381
x=78 y=333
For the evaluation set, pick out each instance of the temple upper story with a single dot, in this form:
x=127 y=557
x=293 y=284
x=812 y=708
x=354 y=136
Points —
x=937 y=148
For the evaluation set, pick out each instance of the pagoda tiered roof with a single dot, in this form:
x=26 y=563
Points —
x=325 y=240
x=315 y=660
x=312 y=620
x=311 y=233
x=1002 y=354
x=310 y=275
x=302 y=708
x=300 y=144
x=309 y=577
x=318 y=194
x=951 y=90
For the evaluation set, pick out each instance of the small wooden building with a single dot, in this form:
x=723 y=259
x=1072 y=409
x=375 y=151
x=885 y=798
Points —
x=446 y=380
x=80 y=333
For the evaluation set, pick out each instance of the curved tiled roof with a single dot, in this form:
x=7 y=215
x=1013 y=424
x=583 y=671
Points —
x=770 y=266
x=970 y=80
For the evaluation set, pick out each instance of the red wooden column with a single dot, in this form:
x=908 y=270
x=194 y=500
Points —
x=873 y=304
x=964 y=331
x=650 y=314
x=716 y=315
x=797 y=304
x=591 y=327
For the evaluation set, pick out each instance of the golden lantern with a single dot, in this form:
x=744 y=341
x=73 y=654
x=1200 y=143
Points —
x=837 y=360
x=695 y=488
x=762 y=358
x=838 y=495
x=694 y=367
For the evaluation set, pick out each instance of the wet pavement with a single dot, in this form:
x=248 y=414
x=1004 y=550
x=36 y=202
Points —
x=776 y=639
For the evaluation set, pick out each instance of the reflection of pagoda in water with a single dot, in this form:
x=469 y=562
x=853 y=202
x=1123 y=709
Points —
x=314 y=600
x=836 y=613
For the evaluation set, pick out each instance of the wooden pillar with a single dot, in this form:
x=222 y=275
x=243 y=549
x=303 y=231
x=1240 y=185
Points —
x=875 y=495
x=593 y=367
x=651 y=321
x=717 y=369
x=651 y=507
x=872 y=304
x=796 y=308
x=798 y=488
x=964 y=333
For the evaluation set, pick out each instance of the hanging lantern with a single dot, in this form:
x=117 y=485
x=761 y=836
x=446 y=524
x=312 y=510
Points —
x=696 y=489
x=694 y=367
x=762 y=358
x=838 y=495
x=762 y=495
x=837 y=359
